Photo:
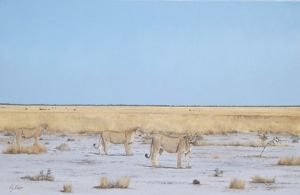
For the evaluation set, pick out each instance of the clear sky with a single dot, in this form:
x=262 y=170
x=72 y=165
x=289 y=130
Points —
x=90 y=52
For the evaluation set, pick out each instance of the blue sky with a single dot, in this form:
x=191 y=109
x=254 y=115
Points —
x=206 y=53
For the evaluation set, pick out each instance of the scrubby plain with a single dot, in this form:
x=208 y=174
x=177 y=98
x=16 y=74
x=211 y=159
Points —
x=230 y=145
x=83 y=167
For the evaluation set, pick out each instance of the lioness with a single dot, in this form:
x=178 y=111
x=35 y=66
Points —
x=116 y=137
x=28 y=133
x=171 y=144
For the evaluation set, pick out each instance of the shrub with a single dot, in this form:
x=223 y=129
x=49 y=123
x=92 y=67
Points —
x=67 y=188
x=123 y=182
x=289 y=161
x=63 y=147
x=265 y=180
x=237 y=184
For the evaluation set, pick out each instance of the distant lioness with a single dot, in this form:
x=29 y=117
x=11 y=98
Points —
x=171 y=144
x=116 y=137
x=28 y=133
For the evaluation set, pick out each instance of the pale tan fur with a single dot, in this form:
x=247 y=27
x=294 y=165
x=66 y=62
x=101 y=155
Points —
x=116 y=137
x=172 y=144
x=28 y=133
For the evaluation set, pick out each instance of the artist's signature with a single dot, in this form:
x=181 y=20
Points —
x=14 y=187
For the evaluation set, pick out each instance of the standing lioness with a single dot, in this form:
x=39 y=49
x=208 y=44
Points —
x=28 y=133
x=171 y=144
x=117 y=137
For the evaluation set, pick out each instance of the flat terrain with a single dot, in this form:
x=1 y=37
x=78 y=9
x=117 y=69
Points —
x=83 y=167
x=204 y=120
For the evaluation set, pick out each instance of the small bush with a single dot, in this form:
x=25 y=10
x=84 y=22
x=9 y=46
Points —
x=40 y=177
x=237 y=184
x=105 y=183
x=63 y=147
x=67 y=188
x=265 y=180
x=289 y=161
x=123 y=182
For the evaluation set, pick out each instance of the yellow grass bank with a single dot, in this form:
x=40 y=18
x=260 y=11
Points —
x=152 y=118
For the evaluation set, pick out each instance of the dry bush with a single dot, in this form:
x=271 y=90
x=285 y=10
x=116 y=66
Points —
x=289 y=161
x=67 y=188
x=34 y=149
x=237 y=184
x=123 y=182
x=40 y=177
x=105 y=183
x=63 y=147
x=265 y=180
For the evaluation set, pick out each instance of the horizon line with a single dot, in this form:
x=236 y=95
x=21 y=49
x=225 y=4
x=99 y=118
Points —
x=146 y=105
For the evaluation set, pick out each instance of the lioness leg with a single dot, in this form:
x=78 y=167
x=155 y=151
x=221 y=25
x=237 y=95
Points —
x=128 y=149
x=179 y=156
x=18 y=139
x=154 y=156
x=187 y=158
x=104 y=145
x=36 y=136
x=99 y=145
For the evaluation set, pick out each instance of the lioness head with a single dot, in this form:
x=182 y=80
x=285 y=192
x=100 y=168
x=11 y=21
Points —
x=44 y=126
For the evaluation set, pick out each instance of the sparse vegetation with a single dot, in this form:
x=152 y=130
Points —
x=41 y=176
x=33 y=149
x=63 y=147
x=265 y=180
x=105 y=183
x=289 y=161
x=272 y=142
x=237 y=184
x=122 y=182
x=67 y=188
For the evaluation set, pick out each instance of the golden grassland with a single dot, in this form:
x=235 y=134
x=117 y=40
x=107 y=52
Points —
x=206 y=120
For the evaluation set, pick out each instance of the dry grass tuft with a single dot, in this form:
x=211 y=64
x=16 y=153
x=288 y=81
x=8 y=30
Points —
x=237 y=184
x=63 y=147
x=67 y=188
x=34 y=149
x=105 y=183
x=123 y=182
x=289 y=161
x=265 y=180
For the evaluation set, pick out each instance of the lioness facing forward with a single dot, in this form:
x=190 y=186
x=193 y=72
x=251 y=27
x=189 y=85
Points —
x=116 y=137
x=172 y=144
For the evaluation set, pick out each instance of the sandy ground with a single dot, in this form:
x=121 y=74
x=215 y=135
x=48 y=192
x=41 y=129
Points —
x=83 y=167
